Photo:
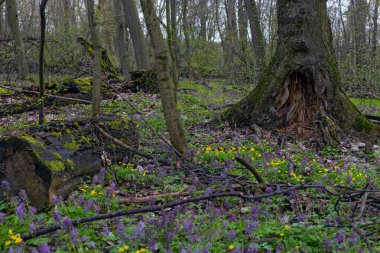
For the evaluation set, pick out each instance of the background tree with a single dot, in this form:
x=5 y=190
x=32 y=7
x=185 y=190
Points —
x=16 y=35
x=165 y=83
x=97 y=58
x=122 y=47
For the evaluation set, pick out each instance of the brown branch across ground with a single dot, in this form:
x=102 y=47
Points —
x=125 y=146
x=181 y=193
x=259 y=179
x=156 y=208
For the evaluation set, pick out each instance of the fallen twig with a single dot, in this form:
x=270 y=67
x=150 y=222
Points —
x=123 y=145
x=181 y=193
x=259 y=179
x=156 y=208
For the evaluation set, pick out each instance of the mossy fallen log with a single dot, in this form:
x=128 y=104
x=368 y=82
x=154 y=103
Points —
x=143 y=80
x=52 y=159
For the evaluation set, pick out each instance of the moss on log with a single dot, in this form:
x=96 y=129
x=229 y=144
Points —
x=52 y=159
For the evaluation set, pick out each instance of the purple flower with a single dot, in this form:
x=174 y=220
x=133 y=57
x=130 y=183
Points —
x=66 y=223
x=56 y=215
x=1 y=217
x=32 y=227
x=89 y=205
x=44 y=248
x=5 y=185
x=253 y=249
x=20 y=211
x=92 y=245
x=327 y=222
x=121 y=232
x=327 y=244
x=188 y=225
x=231 y=235
x=301 y=217
x=340 y=237
x=268 y=190
x=33 y=210
x=73 y=234
x=23 y=197
x=54 y=200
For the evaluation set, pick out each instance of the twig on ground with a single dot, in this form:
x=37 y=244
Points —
x=123 y=145
x=259 y=179
x=181 y=193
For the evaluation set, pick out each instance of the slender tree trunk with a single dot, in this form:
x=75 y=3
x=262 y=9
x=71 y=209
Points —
x=41 y=114
x=186 y=31
x=256 y=33
x=243 y=26
x=121 y=39
x=302 y=86
x=19 y=46
x=375 y=24
x=97 y=58
x=165 y=83
x=231 y=32
x=137 y=35
x=1 y=19
x=203 y=19
x=172 y=38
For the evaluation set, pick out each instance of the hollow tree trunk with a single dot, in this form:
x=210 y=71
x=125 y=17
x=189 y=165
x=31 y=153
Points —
x=301 y=85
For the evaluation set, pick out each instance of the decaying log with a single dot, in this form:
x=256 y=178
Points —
x=52 y=159
x=143 y=80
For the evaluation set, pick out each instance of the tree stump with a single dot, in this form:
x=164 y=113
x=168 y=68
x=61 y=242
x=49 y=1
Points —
x=52 y=159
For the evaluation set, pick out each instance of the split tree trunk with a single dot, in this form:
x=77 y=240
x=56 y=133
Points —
x=301 y=85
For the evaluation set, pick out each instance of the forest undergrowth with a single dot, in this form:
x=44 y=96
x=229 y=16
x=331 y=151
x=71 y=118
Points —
x=325 y=200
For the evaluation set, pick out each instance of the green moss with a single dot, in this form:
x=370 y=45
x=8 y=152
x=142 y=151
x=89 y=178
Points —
x=363 y=125
x=55 y=166
x=56 y=155
x=69 y=164
x=33 y=141
x=56 y=134
x=71 y=145
x=84 y=84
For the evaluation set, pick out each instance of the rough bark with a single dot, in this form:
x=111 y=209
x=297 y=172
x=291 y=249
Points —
x=52 y=159
x=165 y=83
x=375 y=25
x=243 y=26
x=137 y=35
x=232 y=33
x=256 y=33
x=301 y=85
x=18 y=44
x=41 y=114
x=203 y=19
x=121 y=39
x=97 y=58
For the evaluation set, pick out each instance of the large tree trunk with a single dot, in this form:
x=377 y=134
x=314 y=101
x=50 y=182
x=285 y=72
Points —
x=15 y=30
x=301 y=85
x=165 y=83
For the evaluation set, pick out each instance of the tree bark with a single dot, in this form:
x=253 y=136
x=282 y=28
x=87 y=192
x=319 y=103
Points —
x=375 y=24
x=41 y=114
x=243 y=26
x=137 y=35
x=256 y=33
x=97 y=58
x=165 y=83
x=121 y=39
x=13 y=22
x=301 y=85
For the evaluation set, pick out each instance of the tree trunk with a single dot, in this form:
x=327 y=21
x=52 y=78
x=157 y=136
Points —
x=97 y=58
x=375 y=24
x=243 y=26
x=137 y=35
x=41 y=114
x=121 y=39
x=203 y=19
x=18 y=45
x=165 y=83
x=256 y=33
x=301 y=85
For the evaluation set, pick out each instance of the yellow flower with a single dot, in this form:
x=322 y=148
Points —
x=141 y=250
x=287 y=227
x=353 y=179
x=121 y=250
x=10 y=231
x=93 y=192
x=17 y=239
x=83 y=190
x=231 y=247
x=126 y=247
x=7 y=243
x=282 y=234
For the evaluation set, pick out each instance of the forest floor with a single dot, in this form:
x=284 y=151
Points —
x=325 y=200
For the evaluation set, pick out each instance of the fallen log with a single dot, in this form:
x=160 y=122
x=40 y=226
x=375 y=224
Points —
x=52 y=159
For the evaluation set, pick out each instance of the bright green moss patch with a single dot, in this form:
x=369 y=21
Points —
x=84 y=84
x=33 y=141
x=71 y=145
x=55 y=166
x=367 y=105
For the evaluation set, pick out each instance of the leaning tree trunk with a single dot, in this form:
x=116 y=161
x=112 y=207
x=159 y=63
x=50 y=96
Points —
x=301 y=85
